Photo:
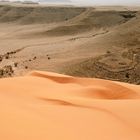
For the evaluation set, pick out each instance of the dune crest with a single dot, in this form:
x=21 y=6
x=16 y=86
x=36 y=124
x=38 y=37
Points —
x=44 y=105
x=94 y=88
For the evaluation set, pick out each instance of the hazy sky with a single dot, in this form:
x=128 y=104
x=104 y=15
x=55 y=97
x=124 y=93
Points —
x=108 y=2
x=96 y=2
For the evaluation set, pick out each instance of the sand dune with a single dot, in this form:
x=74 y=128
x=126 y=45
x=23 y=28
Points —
x=45 y=105
x=101 y=42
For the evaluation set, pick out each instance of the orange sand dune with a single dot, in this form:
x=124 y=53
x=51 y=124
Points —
x=49 y=106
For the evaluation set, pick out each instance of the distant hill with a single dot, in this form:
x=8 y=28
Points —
x=55 y=1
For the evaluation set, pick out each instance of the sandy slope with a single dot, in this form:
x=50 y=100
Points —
x=45 y=105
x=50 y=106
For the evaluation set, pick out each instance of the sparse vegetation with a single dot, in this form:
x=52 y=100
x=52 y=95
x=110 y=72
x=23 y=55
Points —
x=16 y=64
x=26 y=67
x=34 y=58
x=1 y=72
x=7 y=57
x=1 y=58
x=127 y=75
x=6 y=71
x=108 y=52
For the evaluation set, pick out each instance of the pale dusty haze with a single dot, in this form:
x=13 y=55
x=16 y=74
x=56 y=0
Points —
x=108 y=2
x=94 y=2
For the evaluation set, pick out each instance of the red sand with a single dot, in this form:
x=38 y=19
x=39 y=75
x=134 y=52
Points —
x=48 y=106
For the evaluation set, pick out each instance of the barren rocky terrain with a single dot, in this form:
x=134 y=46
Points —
x=102 y=42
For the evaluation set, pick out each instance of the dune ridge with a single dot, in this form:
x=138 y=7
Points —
x=46 y=105
x=91 y=87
